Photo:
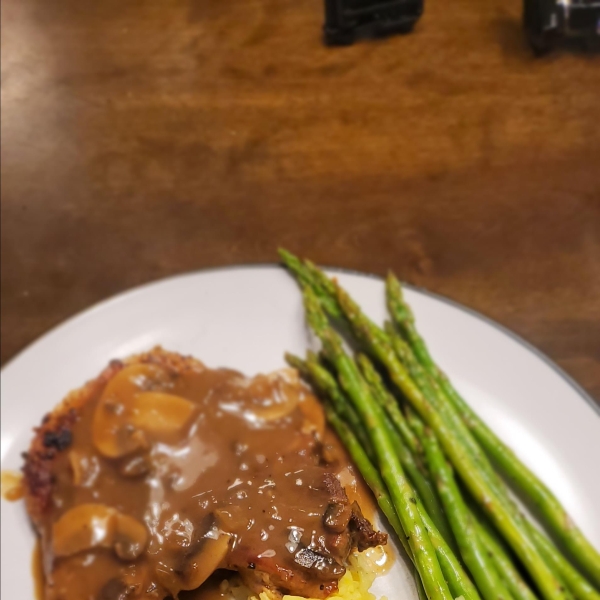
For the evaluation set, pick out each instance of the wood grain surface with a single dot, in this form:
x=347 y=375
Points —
x=146 y=138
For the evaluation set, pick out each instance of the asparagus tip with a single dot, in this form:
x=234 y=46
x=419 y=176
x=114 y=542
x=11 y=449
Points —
x=391 y=278
x=286 y=256
x=292 y=359
x=314 y=312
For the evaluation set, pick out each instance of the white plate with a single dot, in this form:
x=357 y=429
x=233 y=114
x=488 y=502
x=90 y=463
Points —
x=245 y=318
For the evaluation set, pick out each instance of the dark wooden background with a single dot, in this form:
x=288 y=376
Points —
x=146 y=138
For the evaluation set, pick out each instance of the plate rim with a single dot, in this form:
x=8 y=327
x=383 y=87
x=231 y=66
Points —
x=576 y=386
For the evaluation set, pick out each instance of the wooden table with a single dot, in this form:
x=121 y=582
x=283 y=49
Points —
x=152 y=137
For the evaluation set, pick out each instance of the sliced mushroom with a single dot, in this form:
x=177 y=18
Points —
x=90 y=526
x=160 y=413
x=83 y=527
x=127 y=412
x=205 y=561
x=275 y=395
x=130 y=537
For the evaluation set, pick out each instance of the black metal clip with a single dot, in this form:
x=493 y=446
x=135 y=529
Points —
x=549 y=22
x=349 y=20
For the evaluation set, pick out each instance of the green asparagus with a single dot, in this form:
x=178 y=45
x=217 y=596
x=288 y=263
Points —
x=425 y=490
x=463 y=525
x=387 y=401
x=326 y=383
x=368 y=472
x=538 y=494
x=460 y=433
x=393 y=475
x=455 y=575
x=451 y=434
x=499 y=555
x=575 y=583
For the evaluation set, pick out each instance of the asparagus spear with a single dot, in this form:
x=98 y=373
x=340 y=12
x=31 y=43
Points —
x=575 y=582
x=454 y=573
x=419 y=585
x=463 y=525
x=416 y=425
x=387 y=402
x=309 y=275
x=377 y=333
x=366 y=330
x=451 y=434
x=312 y=278
x=324 y=381
x=578 y=585
x=393 y=475
x=500 y=557
x=368 y=472
x=458 y=580
x=432 y=392
x=538 y=494
x=425 y=490
x=295 y=265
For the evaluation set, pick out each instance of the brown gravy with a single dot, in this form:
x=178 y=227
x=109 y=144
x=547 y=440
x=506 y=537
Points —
x=37 y=570
x=164 y=465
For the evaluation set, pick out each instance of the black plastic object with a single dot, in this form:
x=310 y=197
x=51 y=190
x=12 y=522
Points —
x=349 y=20
x=548 y=23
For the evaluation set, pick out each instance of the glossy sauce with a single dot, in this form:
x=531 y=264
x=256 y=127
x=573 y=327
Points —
x=380 y=560
x=37 y=570
x=168 y=465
